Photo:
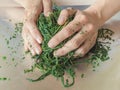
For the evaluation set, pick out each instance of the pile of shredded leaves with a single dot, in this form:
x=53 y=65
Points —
x=48 y=64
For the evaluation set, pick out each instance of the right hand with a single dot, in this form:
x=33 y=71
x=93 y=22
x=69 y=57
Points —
x=84 y=28
x=30 y=33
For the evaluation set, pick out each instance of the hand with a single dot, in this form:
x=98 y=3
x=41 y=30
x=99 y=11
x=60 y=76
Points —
x=85 y=24
x=31 y=35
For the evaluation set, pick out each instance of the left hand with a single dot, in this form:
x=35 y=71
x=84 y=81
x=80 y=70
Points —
x=30 y=33
x=85 y=24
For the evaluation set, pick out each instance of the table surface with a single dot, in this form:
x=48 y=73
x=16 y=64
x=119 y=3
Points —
x=106 y=76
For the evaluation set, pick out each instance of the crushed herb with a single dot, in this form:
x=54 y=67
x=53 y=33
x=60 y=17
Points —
x=82 y=75
x=13 y=49
x=18 y=28
x=48 y=64
x=3 y=79
x=13 y=59
x=4 y=57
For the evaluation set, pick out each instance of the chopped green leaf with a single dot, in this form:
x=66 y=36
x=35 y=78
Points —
x=4 y=57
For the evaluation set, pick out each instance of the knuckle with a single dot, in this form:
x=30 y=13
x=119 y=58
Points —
x=65 y=12
x=55 y=40
x=68 y=31
x=81 y=18
x=77 y=25
x=83 y=53
x=84 y=18
x=71 y=45
x=63 y=51
x=76 y=22
x=78 y=12
x=34 y=32
x=75 y=43
x=91 y=27
x=60 y=52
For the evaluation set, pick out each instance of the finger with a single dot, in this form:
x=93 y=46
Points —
x=26 y=46
x=47 y=4
x=32 y=50
x=73 y=44
x=34 y=31
x=34 y=46
x=80 y=16
x=64 y=15
x=89 y=43
x=66 y=32
x=31 y=43
x=25 y=43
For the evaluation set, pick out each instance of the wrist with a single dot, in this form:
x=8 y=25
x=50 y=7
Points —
x=96 y=14
x=32 y=14
x=33 y=9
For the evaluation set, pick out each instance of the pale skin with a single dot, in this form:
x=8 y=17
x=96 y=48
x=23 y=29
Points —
x=31 y=35
x=85 y=24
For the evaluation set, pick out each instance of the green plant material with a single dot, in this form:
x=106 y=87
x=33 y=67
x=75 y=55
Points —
x=3 y=78
x=18 y=29
x=58 y=66
x=4 y=57
x=13 y=59
x=100 y=51
x=82 y=75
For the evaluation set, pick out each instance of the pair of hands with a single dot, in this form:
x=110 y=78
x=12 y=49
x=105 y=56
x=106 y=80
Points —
x=84 y=25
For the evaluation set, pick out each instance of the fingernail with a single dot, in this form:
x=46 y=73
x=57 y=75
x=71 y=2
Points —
x=59 y=53
x=26 y=49
x=50 y=45
x=55 y=53
x=37 y=50
x=78 y=54
x=32 y=51
x=47 y=14
x=61 y=20
x=39 y=40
